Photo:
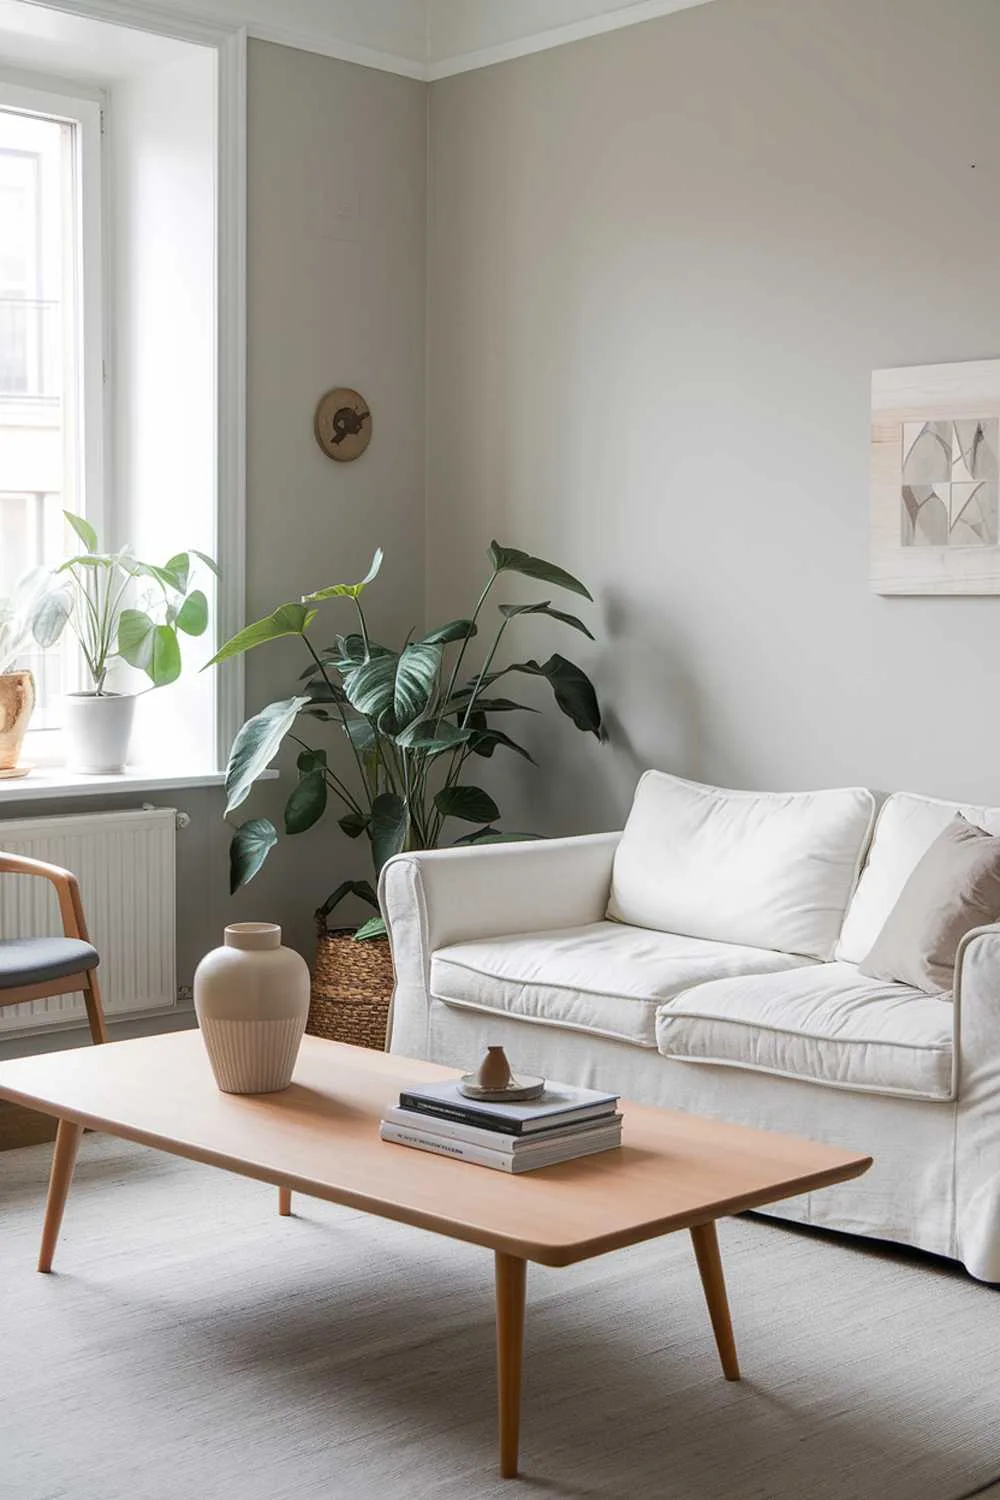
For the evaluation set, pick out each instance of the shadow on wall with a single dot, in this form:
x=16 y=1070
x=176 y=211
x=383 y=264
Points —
x=654 y=707
x=654 y=713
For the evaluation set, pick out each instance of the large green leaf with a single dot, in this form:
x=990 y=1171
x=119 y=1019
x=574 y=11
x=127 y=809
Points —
x=83 y=529
x=209 y=562
x=256 y=745
x=355 y=824
x=510 y=610
x=360 y=733
x=51 y=615
x=460 y=703
x=573 y=690
x=388 y=828
x=310 y=760
x=135 y=638
x=512 y=560
x=432 y=736
x=180 y=566
x=250 y=846
x=455 y=630
x=165 y=666
x=398 y=687
x=495 y=836
x=347 y=590
x=307 y=804
x=351 y=651
x=287 y=619
x=485 y=741
x=192 y=617
x=470 y=803
x=163 y=576
x=374 y=928
x=360 y=888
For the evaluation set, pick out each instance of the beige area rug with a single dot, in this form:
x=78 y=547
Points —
x=195 y=1346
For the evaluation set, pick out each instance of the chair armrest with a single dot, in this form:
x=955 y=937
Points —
x=66 y=885
x=441 y=896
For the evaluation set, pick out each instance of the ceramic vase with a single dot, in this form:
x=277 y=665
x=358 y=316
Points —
x=98 y=728
x=17 y=700
x=252 y=999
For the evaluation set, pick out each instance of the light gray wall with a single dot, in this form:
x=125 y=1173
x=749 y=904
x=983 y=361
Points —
x=336 y=296
x=337 y=280
x=664 y=263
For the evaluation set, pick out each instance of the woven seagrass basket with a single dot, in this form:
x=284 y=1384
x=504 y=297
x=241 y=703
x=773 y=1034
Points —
x=351 y=988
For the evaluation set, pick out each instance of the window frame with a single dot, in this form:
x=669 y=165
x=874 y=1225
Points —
x=228 y=39
x=86 y=111
x=90 y=408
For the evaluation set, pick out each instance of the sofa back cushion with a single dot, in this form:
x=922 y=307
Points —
x=772 y=870
x=907 y=826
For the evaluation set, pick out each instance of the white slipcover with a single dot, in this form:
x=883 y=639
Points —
x=766 y=869
x=827 y=1023
x=603 y=978
x=935 y=1183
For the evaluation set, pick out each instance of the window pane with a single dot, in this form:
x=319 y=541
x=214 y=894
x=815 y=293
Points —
x=38 y=360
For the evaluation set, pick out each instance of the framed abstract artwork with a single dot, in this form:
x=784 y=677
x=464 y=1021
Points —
x=935 y=439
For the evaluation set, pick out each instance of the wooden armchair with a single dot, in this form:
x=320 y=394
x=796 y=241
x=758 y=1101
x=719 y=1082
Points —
x=35 y=968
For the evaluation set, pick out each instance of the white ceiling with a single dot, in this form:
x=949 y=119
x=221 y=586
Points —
x=422 y=38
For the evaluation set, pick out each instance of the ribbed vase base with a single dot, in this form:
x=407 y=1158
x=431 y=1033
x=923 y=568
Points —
x=253 y=1057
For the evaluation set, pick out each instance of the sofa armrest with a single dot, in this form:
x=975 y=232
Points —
x=441 y=896
x=977 y=1016
x=977 y=1106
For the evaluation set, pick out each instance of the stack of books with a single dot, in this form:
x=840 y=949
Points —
x=561 y=1124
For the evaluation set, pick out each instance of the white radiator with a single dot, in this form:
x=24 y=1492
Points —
x=124 y=862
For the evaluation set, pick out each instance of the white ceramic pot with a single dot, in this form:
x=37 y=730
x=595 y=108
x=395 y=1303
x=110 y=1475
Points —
x=252 y=999
x=98 y=729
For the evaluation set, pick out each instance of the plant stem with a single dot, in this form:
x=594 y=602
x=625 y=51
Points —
x=334 y=781
x=475 y=617
x=343 y=717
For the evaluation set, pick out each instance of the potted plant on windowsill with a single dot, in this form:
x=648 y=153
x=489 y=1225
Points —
x=17 y=686
x=119 y=609
x=411 y=724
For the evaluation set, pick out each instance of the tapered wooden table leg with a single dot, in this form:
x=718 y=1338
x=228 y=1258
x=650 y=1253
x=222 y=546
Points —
x=63 y=1161
x=284 y=1202
x=510 y=1279
x=706 y=1249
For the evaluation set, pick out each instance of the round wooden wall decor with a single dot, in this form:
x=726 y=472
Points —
x=343 y=424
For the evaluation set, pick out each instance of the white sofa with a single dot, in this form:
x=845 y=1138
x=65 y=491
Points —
x=706 y=959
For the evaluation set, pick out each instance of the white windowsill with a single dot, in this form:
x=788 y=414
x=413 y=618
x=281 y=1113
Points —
x=47 y=783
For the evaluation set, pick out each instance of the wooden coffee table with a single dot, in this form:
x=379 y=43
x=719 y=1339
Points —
x=320 y=1137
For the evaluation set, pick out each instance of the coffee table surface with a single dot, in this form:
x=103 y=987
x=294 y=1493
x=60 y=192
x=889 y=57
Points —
x=320 y=1137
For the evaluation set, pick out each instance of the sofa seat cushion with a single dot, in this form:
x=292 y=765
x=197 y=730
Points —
x=827 y=1023
x=604 y=978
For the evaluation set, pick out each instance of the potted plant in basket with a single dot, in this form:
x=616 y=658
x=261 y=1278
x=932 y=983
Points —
x=413 y=724
x=17 y=687
x=119 y=609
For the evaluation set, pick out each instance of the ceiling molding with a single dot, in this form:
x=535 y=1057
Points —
x=309 y=25
x=409 y=37
x=332 y=46
x=556 y=36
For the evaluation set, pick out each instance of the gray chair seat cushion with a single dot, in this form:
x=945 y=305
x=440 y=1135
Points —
x=34 y=960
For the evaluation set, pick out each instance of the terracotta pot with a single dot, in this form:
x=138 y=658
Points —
x=252 y=998
x=17 y=700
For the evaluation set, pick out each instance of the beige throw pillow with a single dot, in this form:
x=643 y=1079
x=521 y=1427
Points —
x=953 y=887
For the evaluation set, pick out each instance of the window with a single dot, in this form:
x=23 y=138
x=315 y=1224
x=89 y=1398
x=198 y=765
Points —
x=51 y=343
